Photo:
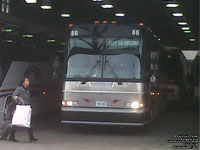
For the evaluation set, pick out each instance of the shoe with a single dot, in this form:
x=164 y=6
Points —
x=33 y=139
x=13 y=140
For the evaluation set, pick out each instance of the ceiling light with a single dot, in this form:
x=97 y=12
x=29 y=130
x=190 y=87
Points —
x=31 y=1
x=66 y=15
x=158 y=39
x=46 y=4
x=46 y=7
x=120 y=14
x=97 y=0
x=187 y=31
x=185 y=28
x=177 y=14
x=182 y=23
x=172 y=5
x=107 y=6
x=27 y=35
x=6 y=30
x=50 y=41
x=192 y=40
x=8 y=41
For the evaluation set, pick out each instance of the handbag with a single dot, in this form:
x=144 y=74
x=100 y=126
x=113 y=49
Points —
x=22 y=116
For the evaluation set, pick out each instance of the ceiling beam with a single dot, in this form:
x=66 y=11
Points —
x=33 y=27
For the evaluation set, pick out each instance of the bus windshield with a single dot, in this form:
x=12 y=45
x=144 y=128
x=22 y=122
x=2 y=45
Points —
x=98 y=56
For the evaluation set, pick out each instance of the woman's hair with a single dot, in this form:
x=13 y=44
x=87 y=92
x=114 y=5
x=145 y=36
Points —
x=23 y=79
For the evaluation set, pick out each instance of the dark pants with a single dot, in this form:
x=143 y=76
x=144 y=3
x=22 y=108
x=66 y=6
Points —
x=13 y=130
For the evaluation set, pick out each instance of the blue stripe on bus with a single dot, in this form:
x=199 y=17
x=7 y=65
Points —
x=5 y=95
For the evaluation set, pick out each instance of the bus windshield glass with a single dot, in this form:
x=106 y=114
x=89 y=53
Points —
x=104 y=53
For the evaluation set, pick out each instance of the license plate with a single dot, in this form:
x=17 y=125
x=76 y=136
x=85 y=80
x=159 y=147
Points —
x=101 y=104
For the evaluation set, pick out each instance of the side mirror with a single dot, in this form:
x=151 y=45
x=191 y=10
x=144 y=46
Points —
x=153 y=78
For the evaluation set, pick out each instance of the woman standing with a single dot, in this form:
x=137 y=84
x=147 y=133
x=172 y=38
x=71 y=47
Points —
x=22 y=96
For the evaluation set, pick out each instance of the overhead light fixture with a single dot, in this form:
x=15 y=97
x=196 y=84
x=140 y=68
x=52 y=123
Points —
x=46 y=4
x=192 y=40
x=27 y=35
x=185 y=28
x=8 y=41
x=31 y=1
x=177 y=14
x=172 y=5
x=6 y=30
x=158 y=39
x=50 y=41
x=119 y=14
x=97 y=0
x=187 y=31
x=46 y=7
x=182 y=23
x=107 y=5
x=65 y=15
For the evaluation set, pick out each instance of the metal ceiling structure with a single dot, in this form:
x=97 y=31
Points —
x=153 y=13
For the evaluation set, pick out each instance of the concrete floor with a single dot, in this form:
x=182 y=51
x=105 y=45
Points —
x=54 y=136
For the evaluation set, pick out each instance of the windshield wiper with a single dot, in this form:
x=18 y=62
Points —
x=113 y=71
x=90 y=72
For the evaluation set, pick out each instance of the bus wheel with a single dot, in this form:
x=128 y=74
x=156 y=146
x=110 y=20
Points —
x=9 y=108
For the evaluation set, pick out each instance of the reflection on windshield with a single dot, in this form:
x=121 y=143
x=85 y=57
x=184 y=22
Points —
x=121 y=58
x=84 y=65
x=125 y=66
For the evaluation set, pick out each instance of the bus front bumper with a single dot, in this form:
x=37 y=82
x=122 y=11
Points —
x=104 y=116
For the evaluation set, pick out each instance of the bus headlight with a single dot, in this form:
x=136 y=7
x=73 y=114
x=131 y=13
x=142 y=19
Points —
x=69 y=103
x=135 y=105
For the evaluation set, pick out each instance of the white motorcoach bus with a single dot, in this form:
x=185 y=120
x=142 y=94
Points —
x=14 y=65
x=115 y=75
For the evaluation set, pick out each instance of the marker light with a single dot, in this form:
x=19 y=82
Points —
x=177 y=14
x=105 y=22
x=182 y=23
x=172 y=5
x=71 y=25
x=97 y=22
x=114 y=22
x=185 y=28
x=107 y=6
x=141 y=24
x=31 y=1
x=119 y=14
x=44 y=93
